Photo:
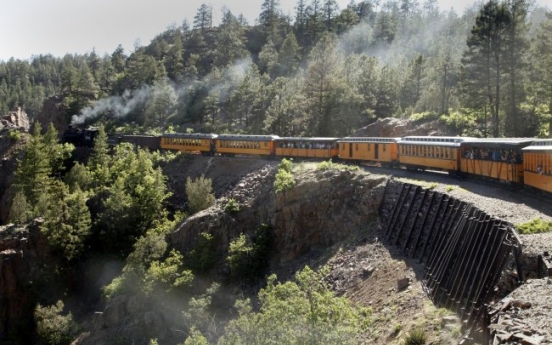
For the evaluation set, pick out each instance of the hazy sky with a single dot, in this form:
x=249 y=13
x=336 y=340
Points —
x=57 y=27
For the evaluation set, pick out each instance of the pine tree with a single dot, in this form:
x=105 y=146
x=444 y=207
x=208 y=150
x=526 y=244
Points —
x=320 y=88
x=67 y=222
x=100 y=160
x=19 y=210
x=482 y=63
x=203 y=19
x=542 y=66
x=230 y=45
x=34 y=170
x=515 y=50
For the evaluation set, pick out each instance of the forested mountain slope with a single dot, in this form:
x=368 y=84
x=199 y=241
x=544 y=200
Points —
x=324 y=72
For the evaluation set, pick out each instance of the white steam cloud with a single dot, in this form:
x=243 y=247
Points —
x=118 y=106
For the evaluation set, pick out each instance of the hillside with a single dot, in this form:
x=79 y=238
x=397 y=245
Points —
x=331 y=218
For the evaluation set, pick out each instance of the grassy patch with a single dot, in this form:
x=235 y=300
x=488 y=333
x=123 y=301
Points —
x=416 y=336
x=535 y=226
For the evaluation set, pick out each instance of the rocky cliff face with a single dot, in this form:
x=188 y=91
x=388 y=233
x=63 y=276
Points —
x=394 y=128
x=16 y=119
x=24 y=257
x=323 y=208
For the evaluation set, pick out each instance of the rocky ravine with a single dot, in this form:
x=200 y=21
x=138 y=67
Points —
x=330 y=217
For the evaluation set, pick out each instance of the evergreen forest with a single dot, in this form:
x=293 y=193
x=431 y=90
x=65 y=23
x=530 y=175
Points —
x=324 y=71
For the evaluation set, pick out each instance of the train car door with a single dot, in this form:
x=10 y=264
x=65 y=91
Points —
x=350 y=149
x=376 y=151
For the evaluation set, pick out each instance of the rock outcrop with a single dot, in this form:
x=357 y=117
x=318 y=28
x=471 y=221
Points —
x=393 y=128
x=16 y=119
x=24 y=262
x=322 y=209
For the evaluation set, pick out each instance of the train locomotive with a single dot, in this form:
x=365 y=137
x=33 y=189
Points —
x=523 y=161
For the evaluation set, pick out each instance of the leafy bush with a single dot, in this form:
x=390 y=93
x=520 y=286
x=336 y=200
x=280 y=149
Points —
x=168 y=273
x=329 y=165
x=286 y=165
x=15 y=135
x=20 y=211
x=232 y=206
x=424 y=117
x=534 y=226
x=463 y=123
x=248 y=258
x=203 y=256
x=117 y=287
x=417 y=336
x=284 y=177
x=200 y=193
x=304 y=311
x=53 y=327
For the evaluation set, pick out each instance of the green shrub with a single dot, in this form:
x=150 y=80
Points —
x=303 y=311
x=54 y=328
x=115 y=288
x=329 y=165
x=15 y=135
x=417 y=336
x=203 y=256
x=168 y=273
x=286 y=165
x=232 y=206
x=284 y=179
x=535 y=226
x=200 y=193
x=424 y=117
x=248 y=257
x=463 y=123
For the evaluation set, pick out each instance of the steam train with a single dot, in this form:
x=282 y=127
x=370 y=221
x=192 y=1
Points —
x=526 y=161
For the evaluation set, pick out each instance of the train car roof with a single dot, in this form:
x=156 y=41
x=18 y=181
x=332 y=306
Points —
x=431 y=141
x=306 y=139
x=190 y=135
x=369 y=139
x=539 y=145
x=246 y=137
x=498 y=142
x=135 y=136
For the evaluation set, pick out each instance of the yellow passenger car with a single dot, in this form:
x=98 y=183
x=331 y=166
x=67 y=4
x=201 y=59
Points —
x=360 y=149
x=190 y=142
x=237 y=144
x=439 y=153
x=497 y=158
x=325 y=148
x=537 y=163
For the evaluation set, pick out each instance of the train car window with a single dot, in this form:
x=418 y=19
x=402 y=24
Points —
x=384 y=148
x=356 y=147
